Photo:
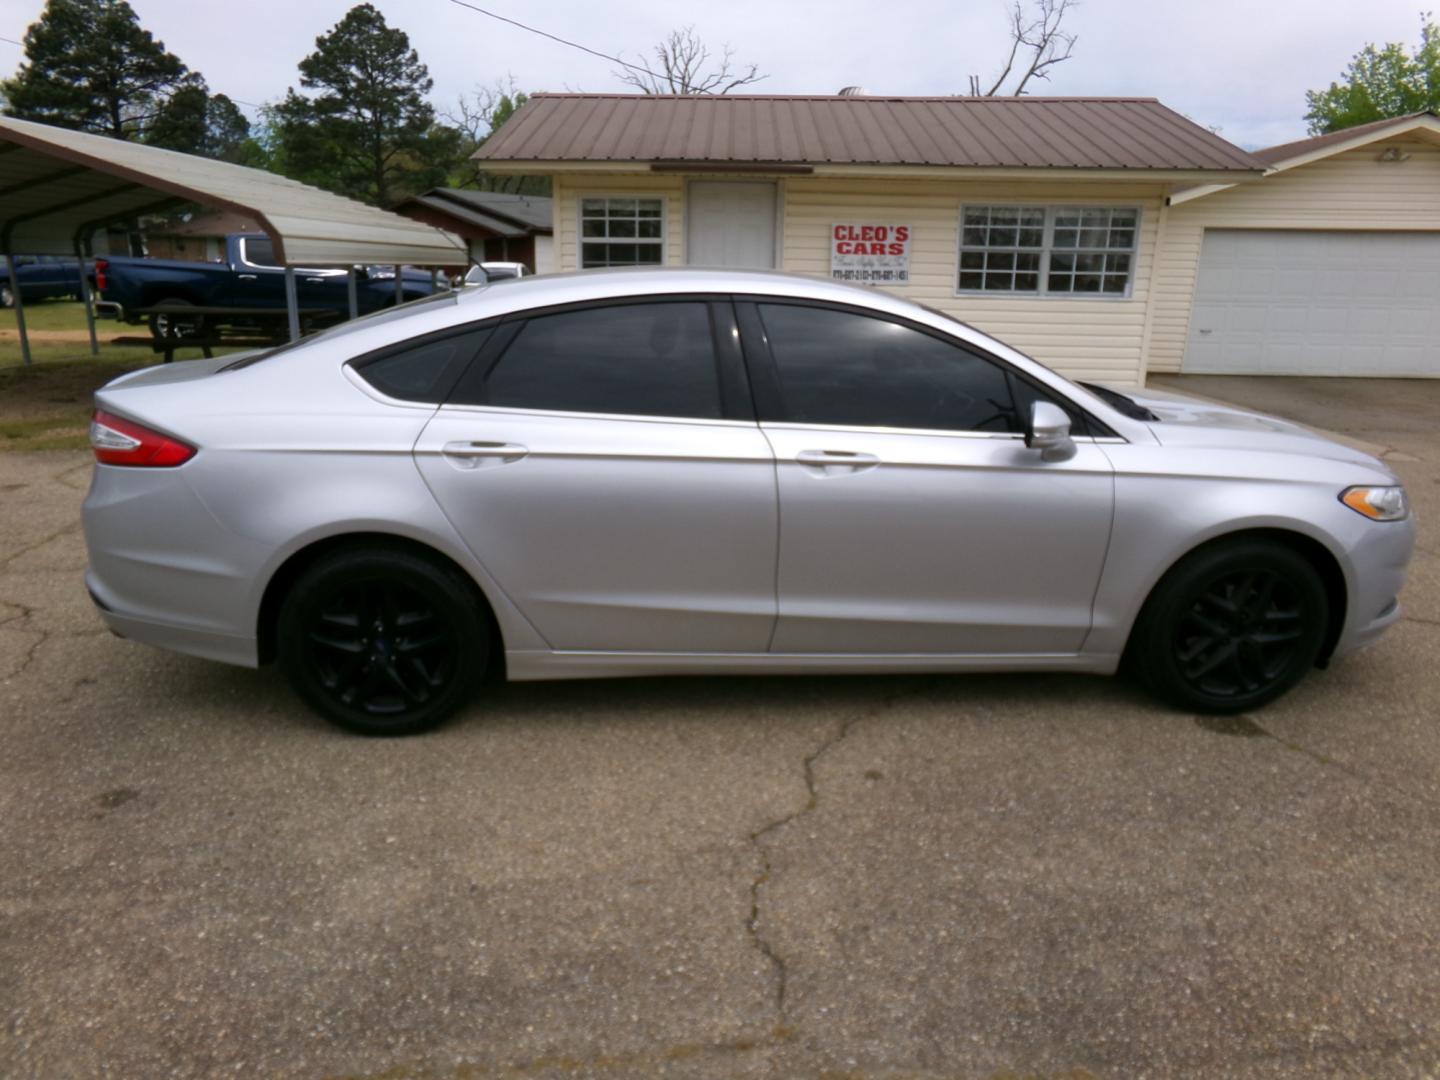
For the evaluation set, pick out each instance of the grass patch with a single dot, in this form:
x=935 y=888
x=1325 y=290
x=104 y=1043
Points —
x=47 y=433
x=46 y=405
x=57 y=315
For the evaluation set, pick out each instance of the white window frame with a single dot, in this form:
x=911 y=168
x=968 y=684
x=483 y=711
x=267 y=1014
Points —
x=1047 y=249
x=664 y=242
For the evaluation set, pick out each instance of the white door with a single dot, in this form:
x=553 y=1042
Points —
x=1316 y=303
x=731 y=223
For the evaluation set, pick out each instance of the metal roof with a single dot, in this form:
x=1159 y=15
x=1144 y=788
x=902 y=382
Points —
x=56 y=183
x=1273 y=155
x=498 y=212
x=973 y=132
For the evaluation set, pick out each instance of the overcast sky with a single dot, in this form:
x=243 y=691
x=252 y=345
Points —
x=1242 y=66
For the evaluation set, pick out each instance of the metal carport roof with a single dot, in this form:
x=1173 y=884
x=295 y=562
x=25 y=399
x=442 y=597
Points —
x=56 y=184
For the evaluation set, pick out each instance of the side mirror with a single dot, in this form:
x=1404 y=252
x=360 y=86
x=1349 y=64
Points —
x=1048 y=430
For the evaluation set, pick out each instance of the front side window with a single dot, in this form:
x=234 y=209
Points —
x=840 y=367
x=1060 y=250
x=621 y=232
x=631 y=359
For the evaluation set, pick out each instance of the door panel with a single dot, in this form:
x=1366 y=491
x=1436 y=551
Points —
x=614 y=533
x=731 y=223
x=909 y=542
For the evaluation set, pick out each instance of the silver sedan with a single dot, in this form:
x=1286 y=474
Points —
x=647 y=472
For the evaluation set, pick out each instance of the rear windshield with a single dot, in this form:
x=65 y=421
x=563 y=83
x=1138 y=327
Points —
x=364 y=322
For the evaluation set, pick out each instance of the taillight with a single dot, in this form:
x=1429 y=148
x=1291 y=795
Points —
x=101 y=282
x=124 y=442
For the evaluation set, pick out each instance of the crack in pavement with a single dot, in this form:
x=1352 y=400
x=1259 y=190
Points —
x=41 y=637
x=752 y=923
x=56 y=535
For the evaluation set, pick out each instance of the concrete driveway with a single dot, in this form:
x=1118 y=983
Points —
x=882 y=877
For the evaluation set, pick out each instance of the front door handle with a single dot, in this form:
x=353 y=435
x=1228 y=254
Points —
x=314 y=281
x=244 y=277
x=479 y=455
x=835 y=462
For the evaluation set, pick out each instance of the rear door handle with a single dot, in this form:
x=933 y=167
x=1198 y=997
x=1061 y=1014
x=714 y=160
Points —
x=314 y=281
x=479 y=455
x=835 y=462
x=244 y=277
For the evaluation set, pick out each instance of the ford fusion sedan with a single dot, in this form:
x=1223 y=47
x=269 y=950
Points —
x=660 y=472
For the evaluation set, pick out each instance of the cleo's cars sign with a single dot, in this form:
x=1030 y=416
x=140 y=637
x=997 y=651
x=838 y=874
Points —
x=870 y=254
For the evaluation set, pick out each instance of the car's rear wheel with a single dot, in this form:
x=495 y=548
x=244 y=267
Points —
x=7 y=298
x=1230 y=627
x=169 y=325
x=383 y=642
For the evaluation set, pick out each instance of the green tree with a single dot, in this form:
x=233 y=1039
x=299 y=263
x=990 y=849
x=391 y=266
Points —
x=197 y=122
x=476 y=118
x=365 y=129
x=1381 y=82
x=90 y=65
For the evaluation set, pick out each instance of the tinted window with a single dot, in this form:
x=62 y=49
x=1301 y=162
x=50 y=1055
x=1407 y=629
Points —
x=260 y=252
x=643 y=359
x=840 y=368
x=423 y=372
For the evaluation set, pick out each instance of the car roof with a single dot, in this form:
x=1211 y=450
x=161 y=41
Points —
x=578 y=286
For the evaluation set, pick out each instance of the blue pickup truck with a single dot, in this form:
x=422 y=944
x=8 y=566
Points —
x=41 y=277
x=248 y=278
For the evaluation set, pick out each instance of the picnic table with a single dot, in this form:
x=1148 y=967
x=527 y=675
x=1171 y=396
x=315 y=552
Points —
x=196 y=326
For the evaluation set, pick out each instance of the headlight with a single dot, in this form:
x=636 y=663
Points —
x=1378 y=503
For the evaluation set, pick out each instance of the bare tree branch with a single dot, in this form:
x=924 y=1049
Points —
x=684 y=67
x=1037 y=40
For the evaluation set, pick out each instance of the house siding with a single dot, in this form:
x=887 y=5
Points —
x=1351 y=191
x=1097 y=338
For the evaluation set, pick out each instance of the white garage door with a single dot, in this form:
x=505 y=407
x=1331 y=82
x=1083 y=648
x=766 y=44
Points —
x=1316 y=303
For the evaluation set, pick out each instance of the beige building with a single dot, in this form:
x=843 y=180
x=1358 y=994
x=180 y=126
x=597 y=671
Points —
x=1035 y=219
x=1329 y=265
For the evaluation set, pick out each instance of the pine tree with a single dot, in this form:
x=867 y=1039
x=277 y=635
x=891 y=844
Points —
x=90 y=65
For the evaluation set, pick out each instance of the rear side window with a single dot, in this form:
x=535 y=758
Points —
x=630 y=359
x=840 y=367
x=425 y=370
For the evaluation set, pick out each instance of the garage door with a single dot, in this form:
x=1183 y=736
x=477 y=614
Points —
x=1316 y=303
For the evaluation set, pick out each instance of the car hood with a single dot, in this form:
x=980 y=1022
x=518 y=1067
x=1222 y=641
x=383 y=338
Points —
x=1193 y=422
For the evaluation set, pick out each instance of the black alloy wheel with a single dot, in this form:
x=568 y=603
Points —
x=1231 y=627
x=383 y=642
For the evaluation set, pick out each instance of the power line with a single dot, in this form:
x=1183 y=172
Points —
x=12 y=41
x=562 y=41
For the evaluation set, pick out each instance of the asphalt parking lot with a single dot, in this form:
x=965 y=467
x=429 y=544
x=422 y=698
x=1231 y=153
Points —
x=880 y=877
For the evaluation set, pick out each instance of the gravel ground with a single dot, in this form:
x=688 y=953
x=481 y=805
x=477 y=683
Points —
x=882 y=877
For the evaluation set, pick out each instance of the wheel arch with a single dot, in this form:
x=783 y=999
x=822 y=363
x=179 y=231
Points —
x=1320 y=557
x=289 y=571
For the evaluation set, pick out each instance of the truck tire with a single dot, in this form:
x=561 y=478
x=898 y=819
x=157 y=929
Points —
x=166 y=327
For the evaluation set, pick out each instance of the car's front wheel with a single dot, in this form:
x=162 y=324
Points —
x=381 y=641
x=1230 y=627
x=7 y=298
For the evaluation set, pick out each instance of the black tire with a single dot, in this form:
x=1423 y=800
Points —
x=175 y=327
x=383 y=642
x=1231 y=627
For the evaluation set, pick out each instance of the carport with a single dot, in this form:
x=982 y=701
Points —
x=57 y=187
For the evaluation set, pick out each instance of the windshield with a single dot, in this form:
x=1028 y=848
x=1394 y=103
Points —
x=364 y=322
